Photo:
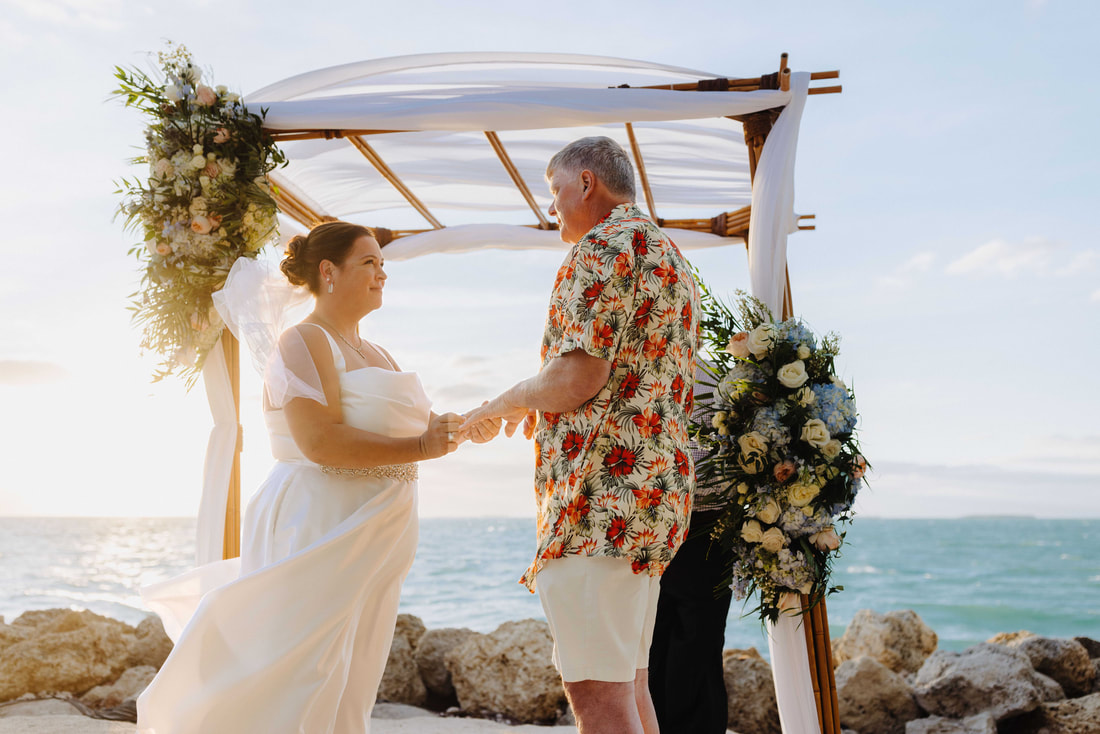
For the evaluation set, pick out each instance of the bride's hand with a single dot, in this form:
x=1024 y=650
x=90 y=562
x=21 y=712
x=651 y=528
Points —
x=442 y=437
x=484 y=430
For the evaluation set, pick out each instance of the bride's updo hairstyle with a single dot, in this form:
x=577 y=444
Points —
x=331 y=240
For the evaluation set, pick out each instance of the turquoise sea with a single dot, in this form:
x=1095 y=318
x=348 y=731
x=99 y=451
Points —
x=967 y=578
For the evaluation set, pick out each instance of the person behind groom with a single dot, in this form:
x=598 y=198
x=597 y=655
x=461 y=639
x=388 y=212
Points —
x=609 y=413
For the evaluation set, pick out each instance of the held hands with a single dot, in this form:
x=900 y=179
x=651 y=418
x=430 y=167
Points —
x=442 y=436
x=483 y=431
x=498 y=409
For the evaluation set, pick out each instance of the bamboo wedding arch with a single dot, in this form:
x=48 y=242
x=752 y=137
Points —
x=447 y=153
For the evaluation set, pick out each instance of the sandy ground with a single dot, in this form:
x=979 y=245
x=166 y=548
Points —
x=388 y=719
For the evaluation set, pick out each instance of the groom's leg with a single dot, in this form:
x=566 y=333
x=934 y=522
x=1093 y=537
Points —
x=601 y=617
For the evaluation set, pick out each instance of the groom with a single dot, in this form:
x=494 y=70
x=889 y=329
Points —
x=609 y=413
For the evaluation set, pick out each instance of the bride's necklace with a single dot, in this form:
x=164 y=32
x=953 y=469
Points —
x=330 y=327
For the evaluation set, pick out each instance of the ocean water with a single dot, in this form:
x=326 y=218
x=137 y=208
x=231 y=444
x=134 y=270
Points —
x=968 y=578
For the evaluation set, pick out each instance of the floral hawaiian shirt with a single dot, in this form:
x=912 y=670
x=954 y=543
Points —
x=614 y=477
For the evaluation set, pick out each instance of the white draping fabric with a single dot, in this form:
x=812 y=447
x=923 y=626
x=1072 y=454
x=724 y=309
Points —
x=511 y=109
x=219 y=458
x=772 y=220
x=773 y=215
x=471 y=237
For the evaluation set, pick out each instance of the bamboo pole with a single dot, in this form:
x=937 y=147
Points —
x=830 y=667
x=641 y=171
x=231 y=538
x=811 y=651
x=294 y=207
x=517 y=179
x=387 y=173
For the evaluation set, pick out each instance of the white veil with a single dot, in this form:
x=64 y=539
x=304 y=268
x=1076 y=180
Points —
x=259 y=306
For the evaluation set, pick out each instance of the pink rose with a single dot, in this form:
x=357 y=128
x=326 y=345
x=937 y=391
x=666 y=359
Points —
x=204 y=95
x=221 y=135
x=859 y=467
x=739 y=345
x=212 y=169
x=784 y=471
x=202 y=225
x=163 y=249
x=827 y=539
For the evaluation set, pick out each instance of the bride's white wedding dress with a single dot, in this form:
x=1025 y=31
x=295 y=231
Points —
x=293 y=636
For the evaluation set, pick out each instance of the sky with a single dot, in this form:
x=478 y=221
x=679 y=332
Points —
x=954 y=181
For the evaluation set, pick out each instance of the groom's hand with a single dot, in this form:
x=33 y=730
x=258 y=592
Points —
x=501 y=408
x=483 y=431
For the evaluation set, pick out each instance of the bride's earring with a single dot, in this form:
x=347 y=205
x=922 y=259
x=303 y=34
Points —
x=330 y=286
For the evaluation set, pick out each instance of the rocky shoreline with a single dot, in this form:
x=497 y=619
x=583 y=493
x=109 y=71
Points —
x=890 y=677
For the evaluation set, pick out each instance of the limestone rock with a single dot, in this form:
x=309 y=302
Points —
x=1091 y=646
x=873 y=698
x=750 y=693
x=410 y=627
x=508 y=671
x=401 y=681
x=129 y=685
x=1066 y=661
x=66 y=651
x=982 y=723
x=900 y=640
x=11 y=634
x=152 y=645
x=433 y=646
x=986 y=677
x=1073 y=716
x=1008 y=638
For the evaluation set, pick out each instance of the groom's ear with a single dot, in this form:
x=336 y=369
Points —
x=588 y=183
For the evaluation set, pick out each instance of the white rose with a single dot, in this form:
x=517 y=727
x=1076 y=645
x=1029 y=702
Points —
x=815 y=433
x=753 y=442
x=770 y=512
x=773 y=540
x=221 y=89
x=801 y=494
x=716 y=422
x=197 y=162
x=232 y=97
x=751 y=532
x=761 y=339
x=793 y=375
x=831 y=450
x=803 y=351
x=172 y=93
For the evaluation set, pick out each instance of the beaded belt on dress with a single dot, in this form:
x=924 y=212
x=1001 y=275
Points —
x=403 y=472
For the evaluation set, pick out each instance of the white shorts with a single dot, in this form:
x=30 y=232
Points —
x=601 y=615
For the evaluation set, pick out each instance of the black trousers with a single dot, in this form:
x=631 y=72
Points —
x=685 y=660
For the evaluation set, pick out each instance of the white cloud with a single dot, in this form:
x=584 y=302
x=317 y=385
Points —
x=1034 y=256
x=1003 y=257
x=902 y=276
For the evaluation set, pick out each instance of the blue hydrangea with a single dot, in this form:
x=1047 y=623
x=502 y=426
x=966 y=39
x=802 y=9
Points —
x=835 y=407
x=797 y=332
x=767 y=423
x=738 y=379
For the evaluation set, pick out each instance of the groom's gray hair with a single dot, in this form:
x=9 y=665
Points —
x=601 y=155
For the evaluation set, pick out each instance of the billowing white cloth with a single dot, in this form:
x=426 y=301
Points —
x=773 y=216
x=772 y=219
x=298 y=641
x=794 y=690
x=220 y=448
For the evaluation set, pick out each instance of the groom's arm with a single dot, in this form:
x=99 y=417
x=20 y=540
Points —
x=566 y=383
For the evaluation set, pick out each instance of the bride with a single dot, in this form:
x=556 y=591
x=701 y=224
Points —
x=294 y=637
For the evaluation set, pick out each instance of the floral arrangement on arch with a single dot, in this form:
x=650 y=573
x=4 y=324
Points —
x=205 y=203
x=778 y=427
